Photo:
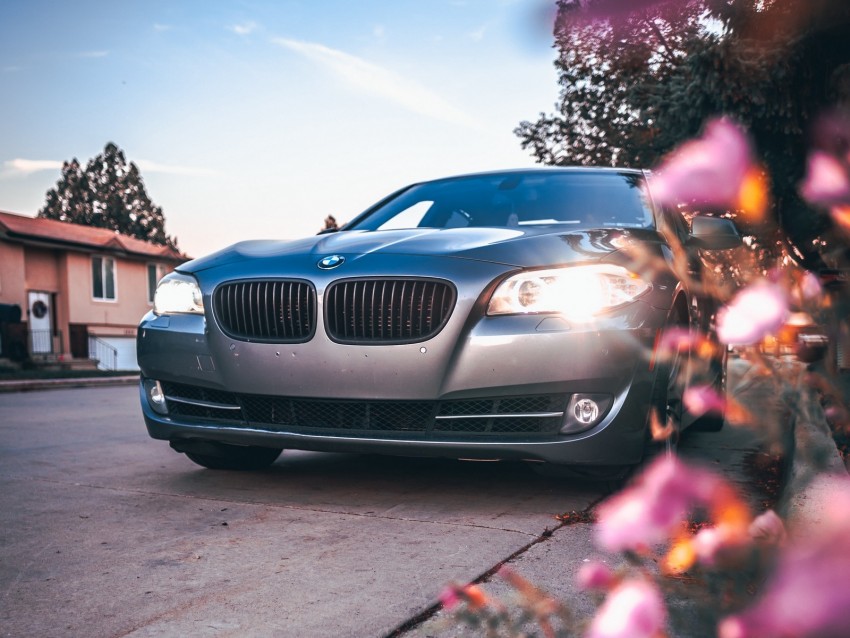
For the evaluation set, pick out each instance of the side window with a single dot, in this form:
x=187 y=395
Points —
x=676 y=223
x=103 y=278
x=410 y=217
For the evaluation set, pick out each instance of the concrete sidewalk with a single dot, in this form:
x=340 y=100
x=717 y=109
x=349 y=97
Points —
x=28 y=385
x=817 y=471
x=741 y=454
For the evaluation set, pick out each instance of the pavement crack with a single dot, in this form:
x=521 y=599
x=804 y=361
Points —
x=429 y=612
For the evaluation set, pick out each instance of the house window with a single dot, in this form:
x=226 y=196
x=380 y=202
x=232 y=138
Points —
x=154 y=274
x=103 y=277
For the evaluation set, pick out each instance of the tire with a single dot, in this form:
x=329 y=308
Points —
x=666 y=399
x=220 y=456
x=714 y=421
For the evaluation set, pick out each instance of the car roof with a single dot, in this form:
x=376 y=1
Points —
x=540 y=170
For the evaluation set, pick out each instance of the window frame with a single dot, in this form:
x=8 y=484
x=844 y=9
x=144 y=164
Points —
x=158 y=273
x=103 y=279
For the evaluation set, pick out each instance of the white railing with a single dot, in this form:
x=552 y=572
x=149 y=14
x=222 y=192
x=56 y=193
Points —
x=105 y=354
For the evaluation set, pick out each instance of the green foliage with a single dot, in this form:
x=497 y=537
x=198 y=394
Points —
x=635 y=84
x=109 y=193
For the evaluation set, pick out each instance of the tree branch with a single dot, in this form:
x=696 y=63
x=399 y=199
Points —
x=668 y=51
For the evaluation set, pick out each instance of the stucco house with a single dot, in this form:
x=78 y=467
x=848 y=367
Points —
x=71 y=293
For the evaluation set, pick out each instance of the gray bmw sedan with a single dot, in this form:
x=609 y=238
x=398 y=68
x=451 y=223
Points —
x=506 y=315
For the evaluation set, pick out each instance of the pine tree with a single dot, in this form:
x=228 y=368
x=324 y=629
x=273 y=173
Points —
x=110 y=193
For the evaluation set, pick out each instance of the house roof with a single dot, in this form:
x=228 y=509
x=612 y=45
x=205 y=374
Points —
x=81 y=237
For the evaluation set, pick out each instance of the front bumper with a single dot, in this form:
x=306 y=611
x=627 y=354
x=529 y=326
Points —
x=498 y=359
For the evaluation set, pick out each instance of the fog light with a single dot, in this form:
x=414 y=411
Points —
x=585 y=411
x=156 y=397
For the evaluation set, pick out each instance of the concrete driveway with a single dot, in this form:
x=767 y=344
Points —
x=106 y=532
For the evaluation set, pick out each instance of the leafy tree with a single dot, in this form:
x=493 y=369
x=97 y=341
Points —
x=110 y=193
x=638 y=78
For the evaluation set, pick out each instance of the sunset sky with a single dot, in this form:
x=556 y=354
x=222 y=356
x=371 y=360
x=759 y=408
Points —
x=257 y=118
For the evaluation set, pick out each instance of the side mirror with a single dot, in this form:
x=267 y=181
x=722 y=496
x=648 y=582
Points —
x=713 y=233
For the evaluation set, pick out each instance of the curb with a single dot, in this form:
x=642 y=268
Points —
x=29 y=385
x=817 y=471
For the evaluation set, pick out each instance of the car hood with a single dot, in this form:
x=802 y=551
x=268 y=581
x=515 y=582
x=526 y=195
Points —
x=525 y=248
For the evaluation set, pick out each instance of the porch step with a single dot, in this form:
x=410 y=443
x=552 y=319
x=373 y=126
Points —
x=80 y=364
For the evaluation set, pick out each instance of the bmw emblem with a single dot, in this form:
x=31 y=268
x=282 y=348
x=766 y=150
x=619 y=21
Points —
x=331 y=261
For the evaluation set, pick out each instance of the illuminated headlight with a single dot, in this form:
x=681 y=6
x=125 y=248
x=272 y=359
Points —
x=576 y=292
x=178 y=293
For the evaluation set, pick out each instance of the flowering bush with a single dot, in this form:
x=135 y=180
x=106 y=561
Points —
x=677 y=519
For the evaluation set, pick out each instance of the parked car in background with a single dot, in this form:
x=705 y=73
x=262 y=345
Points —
x=489 y=316
x=799 y=336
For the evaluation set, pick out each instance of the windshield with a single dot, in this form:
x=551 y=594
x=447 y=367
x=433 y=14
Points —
x=579 y=200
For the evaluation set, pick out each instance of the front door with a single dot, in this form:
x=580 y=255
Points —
x=78 y=335
x=41 y=323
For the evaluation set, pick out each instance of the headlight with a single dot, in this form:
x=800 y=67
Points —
x=576 y=292
x=178 y=293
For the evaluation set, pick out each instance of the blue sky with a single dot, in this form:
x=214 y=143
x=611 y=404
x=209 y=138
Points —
x=256 y=119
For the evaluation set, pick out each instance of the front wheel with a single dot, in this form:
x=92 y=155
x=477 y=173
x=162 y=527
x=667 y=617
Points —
x=713 y=420
x=221 y=456
x=664 y=422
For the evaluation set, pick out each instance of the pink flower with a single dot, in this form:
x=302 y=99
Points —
x=646 y=513
x=634 y=609
x=676 y=340
x=827 y=182
x=583 y=12
x=755 y=312
x=595 y=575
x=449 y=597
x=810 y=286
x=703 y=398
x=613 y=8
x=683 y=340
x=768 y=528
x=809 y=593
x=709 y=171
x=472 y=595
x=707 y=543
x=720 y=544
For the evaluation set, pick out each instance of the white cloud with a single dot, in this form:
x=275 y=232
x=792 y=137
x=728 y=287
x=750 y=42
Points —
x=378 y=31
x=93 y=54
x=148 y=166
x=246 y=28
x=159 y=28
x=19 y=167
x=376 y=80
